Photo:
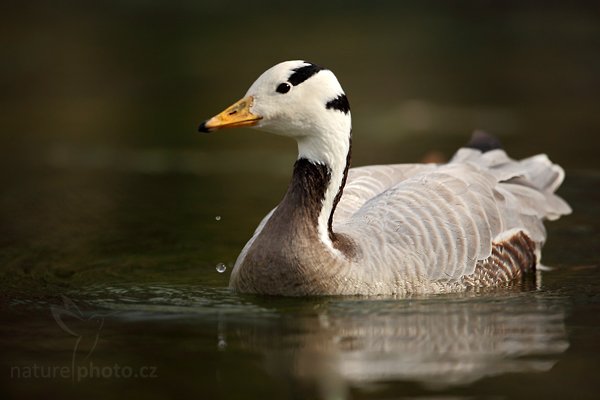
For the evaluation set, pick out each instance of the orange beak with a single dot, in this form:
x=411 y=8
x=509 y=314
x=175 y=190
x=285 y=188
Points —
x=234 y=116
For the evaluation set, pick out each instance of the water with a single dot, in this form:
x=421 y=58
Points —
x=128 y=295
x=116 y=216
x=221 y=268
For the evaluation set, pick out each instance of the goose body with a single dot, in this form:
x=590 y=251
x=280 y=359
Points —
x=476 y=221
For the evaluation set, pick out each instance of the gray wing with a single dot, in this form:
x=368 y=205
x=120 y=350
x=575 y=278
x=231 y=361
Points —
x=364 y=183
x=439 y=222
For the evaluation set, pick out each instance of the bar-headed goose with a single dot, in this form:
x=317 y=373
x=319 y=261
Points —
x=384 y=229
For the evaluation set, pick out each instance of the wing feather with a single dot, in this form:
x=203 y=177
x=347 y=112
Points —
x=364 y=183
x=438 y=221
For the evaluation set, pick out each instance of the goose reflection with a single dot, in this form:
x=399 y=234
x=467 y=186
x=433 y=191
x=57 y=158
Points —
x=437 y=342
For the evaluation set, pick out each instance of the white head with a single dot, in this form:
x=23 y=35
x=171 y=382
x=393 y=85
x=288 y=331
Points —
x=306 y=102
x=293 y=98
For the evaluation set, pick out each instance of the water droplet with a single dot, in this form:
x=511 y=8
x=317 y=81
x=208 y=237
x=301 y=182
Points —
x=221 y=268
x=218 y=218
x=222 y=344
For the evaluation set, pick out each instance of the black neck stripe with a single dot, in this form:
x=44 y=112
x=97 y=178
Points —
x=308 y=187
x=303 y=73
x=340 y=103
x=338 y=196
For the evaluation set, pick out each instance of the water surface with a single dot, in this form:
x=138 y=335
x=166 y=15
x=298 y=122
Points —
x=114 y=212
x=126 y=291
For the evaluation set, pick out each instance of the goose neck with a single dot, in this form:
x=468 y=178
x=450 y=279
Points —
x=327 y=162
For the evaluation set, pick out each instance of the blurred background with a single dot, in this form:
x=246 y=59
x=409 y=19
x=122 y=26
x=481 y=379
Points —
x=110 y=196
x=101 y=163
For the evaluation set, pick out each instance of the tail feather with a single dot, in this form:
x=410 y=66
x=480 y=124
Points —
x=527 y=185
x=545 y=175
x=483 y=141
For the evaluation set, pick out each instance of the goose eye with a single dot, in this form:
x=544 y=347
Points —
x=283 y=88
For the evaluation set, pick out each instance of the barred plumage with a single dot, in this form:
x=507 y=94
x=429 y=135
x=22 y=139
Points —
x=476 y=221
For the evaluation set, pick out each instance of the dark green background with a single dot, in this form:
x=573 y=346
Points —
x=106 y=188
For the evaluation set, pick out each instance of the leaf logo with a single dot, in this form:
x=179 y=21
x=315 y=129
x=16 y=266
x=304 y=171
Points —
x=86 y=330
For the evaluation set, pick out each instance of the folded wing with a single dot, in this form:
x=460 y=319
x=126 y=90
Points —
x=439 y=221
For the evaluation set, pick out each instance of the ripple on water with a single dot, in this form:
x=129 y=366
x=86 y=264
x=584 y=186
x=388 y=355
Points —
x=161 y=301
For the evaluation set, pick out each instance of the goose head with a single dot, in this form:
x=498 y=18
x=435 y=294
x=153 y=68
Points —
x=293 y=98
x=306 y=102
